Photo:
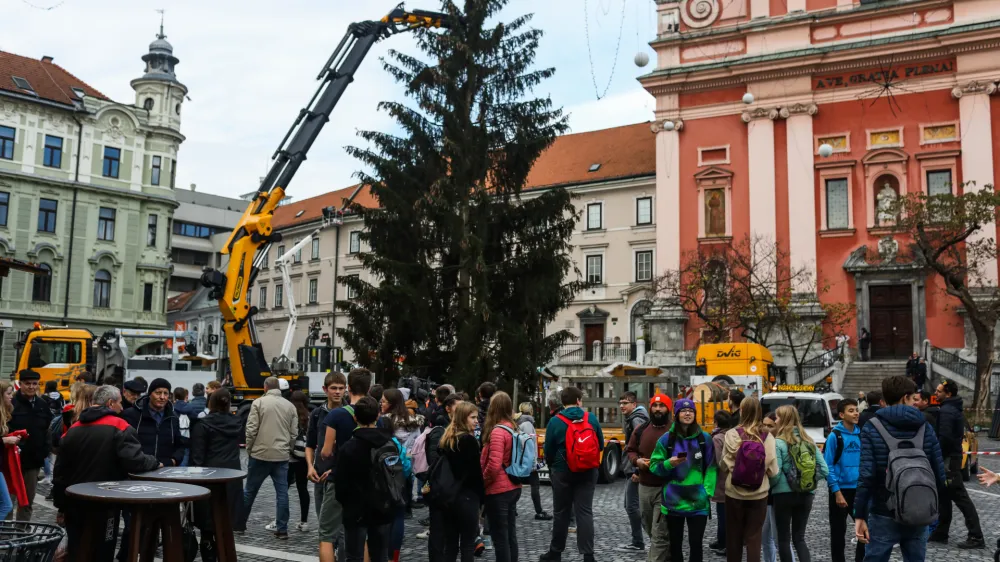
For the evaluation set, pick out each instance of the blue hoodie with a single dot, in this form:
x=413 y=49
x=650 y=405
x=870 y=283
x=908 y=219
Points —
x=902 y=422
x=844 y=474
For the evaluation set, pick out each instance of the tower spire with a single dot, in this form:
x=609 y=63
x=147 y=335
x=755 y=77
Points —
x=161 y=35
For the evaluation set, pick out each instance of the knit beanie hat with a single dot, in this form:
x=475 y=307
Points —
x=158 y=384
x=684 y=404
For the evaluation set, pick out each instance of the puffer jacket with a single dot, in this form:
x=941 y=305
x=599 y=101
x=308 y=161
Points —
x=951 y=427
x=691 y=483
x=843 y=474
x=779 y=482
x=162 y=440
x=902 y=422
x=493 y=458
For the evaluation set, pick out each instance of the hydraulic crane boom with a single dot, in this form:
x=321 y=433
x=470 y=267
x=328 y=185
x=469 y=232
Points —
x=248 y=244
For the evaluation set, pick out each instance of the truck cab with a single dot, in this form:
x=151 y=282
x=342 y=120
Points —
x=56 y=353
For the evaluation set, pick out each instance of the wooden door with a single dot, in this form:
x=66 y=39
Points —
x=891 y=314
x=592 y=333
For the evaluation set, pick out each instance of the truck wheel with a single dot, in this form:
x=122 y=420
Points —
x=724 y=378
x=610 y=464
x=243 y=412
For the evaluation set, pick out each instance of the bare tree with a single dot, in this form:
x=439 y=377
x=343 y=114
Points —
x=749 y=290
x=948 y=238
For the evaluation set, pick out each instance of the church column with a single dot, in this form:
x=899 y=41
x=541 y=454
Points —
x=802 y=193
x=668 y=194
x=760 y=138
x=977 y=154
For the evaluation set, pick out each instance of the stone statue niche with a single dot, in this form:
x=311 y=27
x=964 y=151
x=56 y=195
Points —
x=887 y=191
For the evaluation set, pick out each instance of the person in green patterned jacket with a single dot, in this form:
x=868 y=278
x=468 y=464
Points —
x=686 y=458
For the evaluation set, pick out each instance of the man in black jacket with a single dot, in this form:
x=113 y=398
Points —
x=32 y=414
x=99 y=447
x=874 y=404
x=951 y=430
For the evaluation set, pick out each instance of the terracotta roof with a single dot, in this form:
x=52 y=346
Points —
x=312 y=208
x=47 y=79
x=180 y=301
x=622 y=152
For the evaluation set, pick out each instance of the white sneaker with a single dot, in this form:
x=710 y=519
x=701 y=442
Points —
x=302 y=527
x=272 y=526
x=424 y=534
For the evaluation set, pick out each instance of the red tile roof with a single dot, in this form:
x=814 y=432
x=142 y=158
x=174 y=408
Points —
x=622 y=152
x=180 y=301
x=49 y=80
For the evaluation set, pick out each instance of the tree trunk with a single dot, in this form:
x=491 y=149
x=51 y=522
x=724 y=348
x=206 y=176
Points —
x=984 y=368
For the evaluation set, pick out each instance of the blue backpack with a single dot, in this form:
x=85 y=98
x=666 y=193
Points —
x=523 y=454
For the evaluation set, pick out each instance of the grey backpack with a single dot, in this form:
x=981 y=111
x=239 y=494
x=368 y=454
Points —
x=909 y=477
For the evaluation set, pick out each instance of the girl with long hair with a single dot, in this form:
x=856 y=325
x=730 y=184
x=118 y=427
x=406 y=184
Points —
x=406 y=427
x=685 y=457
x=793 y=503
x=6 y=412
x=502 y=494
x=724 y=421
x=749 y=459
x=454 y=530
x=215 y=443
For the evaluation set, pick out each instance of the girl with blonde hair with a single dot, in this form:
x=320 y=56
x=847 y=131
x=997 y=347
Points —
x=800 y=469
x=750 y=458
x=454 y=529
x=6 y=412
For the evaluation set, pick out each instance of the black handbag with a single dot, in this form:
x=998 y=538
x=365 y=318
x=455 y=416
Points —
x=189 y=540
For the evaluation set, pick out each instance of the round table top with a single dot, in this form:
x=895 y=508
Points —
x=131 y=492
x=192 y=474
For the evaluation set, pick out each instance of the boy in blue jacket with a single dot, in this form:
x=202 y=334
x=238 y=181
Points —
x=842 y=454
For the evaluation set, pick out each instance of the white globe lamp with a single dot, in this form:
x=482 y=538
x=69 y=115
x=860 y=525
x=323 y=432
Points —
x=669 y=126
x=748 y=98
x=825 y=150
x=641 y=59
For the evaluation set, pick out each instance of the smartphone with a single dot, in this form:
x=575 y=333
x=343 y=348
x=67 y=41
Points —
x=682 y=455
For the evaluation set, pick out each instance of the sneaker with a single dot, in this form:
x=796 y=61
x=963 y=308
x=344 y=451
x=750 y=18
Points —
x=550 y=557
x=572 y=529
x=281 y=535
x=303 y=526
x=272 y=526
x=971 y=543
x=715 y=545
x=938 y=538
x=543 y=517
x=488 y=542
x=424 y=534
x=480 y=546
x=631 y=548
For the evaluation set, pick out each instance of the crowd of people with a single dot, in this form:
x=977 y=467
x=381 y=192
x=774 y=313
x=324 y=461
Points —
x=374 y=455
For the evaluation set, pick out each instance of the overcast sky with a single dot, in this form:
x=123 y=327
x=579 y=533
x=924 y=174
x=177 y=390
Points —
x=250 y=69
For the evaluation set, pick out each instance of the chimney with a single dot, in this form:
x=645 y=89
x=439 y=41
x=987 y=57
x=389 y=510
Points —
x=46 y=58
x=194 y=186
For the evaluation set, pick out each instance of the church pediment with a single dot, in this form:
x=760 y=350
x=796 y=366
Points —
x=593 y=312
x=713 y=174
x=884 y=156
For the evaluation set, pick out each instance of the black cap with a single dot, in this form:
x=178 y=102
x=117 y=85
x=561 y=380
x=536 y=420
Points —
x=158 y=384
x=28 y=375
x=136 y=386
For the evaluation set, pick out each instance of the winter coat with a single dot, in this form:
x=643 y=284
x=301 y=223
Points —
x=911 y=366
x=354 y=472
x=99 y=447
x=198 y=405
x=215 y=441
x=920 y=374
x=719 y=446
x=35 y=417
x=902 y=422
x=555 y=437
x=865 y=341
x=272 y=426
x=526 y=424
x=641 y=446
x=316 y=432
x=633 y=421
x=931 y=414
x=405 y=431
x=162 y=440
x=494 y=457
x=868 y=414
x=690 y=484
x=732 y=445
x=951 y=427
x=779 y=482
x=465 y=465
x=843 y=474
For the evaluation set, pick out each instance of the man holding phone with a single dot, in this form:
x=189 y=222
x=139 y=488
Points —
x=639 y=450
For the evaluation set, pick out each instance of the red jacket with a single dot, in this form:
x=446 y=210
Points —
x=494 y=457
x=12 y=470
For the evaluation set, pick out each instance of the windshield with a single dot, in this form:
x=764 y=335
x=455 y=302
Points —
x=811 y=410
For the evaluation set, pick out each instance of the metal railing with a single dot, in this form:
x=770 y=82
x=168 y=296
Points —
x=821 y=362
x=602 y=352
x=953 y=363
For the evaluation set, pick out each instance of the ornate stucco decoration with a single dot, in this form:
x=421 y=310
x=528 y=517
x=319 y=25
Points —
x=803 y=109
x=667 y=125
x=699 y=13
x=974 y=87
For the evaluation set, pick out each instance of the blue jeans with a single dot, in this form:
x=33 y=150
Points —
x=6 y=506
x=257 y=472
x=884 y=534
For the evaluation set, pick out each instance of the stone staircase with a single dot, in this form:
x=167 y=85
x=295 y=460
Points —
x=866 y=376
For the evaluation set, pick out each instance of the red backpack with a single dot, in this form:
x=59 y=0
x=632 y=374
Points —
x=583 y=452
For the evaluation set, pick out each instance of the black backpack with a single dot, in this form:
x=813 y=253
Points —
x=442 y=485
x=388 y=480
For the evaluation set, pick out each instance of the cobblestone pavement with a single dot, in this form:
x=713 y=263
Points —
x=610 y=523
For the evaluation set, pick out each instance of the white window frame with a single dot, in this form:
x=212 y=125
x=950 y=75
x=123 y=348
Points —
x=313 y=288
x=836 y=172
x=354 y=242
x=314 y=249
x=351 y=292
x=635 y=264
x=599 y=205
x=586 y=269
x=279 y=295
x=262 y=303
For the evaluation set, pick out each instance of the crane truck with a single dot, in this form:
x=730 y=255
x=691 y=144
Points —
x=253 y=235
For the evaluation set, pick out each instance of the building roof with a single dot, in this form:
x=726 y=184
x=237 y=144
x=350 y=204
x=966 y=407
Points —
x=621 y=152
x=180 y=301
x=209 y=200
x=48 y=80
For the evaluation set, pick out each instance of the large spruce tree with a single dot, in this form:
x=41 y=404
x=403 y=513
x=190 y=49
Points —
x=468 y=270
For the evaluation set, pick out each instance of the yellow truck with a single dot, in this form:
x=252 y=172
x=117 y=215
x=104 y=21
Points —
x=722 y=367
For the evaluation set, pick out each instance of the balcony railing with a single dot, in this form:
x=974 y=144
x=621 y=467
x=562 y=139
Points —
x=820 y=363
x=954 y=363
x=600 y=352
